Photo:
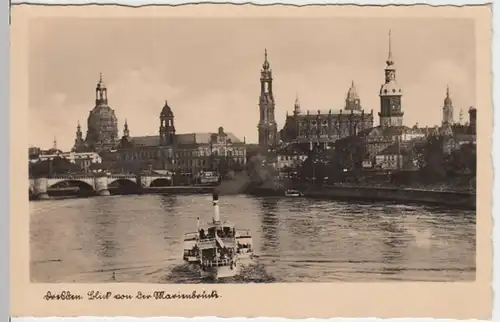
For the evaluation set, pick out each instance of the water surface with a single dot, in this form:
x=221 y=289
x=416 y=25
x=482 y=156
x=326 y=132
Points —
x=139 y=238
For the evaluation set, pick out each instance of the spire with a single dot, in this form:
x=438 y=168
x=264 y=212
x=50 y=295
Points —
x=447 y=100
x=296 y=108
x=78 y=127
x=390 y=60
x=54 y=145
x=265 y=66
x=126 y=131
x=100 y=83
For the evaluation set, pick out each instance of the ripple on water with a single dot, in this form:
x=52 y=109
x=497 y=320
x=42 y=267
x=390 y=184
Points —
x=139 y=239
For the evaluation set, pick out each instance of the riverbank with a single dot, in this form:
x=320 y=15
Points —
x=459 y=199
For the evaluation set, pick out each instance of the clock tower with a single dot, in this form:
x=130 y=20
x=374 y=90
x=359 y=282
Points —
x=390 y=95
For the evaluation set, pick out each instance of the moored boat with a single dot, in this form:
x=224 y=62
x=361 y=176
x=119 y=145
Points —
x=293 y=193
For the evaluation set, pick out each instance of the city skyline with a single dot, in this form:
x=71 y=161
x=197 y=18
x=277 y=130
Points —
x=212 y=85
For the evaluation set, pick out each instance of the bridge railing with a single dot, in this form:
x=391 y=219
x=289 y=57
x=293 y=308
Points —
x=112 y=176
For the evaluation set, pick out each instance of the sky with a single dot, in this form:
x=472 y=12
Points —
x=209 y=69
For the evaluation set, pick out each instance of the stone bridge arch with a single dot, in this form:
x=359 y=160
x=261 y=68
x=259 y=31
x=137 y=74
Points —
x=158 y=181
x=80 y=182
x=112 y=180
x=123 y=185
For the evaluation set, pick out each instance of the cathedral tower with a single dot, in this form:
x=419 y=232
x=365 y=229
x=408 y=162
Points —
x=167 y=128
x=352 y=101
x=102 y=124
x=447 y=108
x=268 y=130
x=390 y=113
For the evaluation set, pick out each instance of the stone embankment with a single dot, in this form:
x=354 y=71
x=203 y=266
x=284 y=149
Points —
x=438 y=197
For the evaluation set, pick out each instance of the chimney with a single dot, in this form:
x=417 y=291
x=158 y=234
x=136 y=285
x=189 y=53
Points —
x=215 y=202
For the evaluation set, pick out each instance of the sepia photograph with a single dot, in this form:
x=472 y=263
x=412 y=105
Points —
x=256 y=149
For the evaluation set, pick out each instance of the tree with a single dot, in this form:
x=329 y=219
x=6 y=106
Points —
x=351 y=152
x=462 y=160
x=434 y=158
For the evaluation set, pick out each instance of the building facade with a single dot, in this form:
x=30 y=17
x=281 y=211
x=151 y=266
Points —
x=187 y=154
x=327 y=127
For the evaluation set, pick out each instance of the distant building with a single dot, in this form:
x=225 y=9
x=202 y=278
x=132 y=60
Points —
x=102 y=125
x=290 y=158
x=83 y=160
x=448 y=109
x=397 y=156
x=35 y=153
x=327 y=127
x=187 y=153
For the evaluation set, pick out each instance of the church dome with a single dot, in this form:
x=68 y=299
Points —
x=391 y=89
x=352 y=94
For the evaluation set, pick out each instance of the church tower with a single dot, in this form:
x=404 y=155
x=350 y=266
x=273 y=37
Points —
x=167 y=128
x=126 y=141
x=79 y=142
x=126 y=131
x=352 y=101
x=268 y=129
x=390 y=113
x=447 y=108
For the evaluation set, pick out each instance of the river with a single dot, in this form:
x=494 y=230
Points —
x=138 y=238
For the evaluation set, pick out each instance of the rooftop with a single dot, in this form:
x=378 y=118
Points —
x=182 y=139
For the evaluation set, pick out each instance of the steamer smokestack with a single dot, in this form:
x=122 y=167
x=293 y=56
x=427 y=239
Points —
x=215 y=202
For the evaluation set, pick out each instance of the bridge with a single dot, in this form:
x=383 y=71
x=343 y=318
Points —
x=39 y=187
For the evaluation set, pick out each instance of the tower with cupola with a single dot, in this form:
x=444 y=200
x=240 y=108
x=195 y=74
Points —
x=267 y=127
x=391 y=114
x=352 y=101
x=167 y=127
x=447 y=108
x=79 y=145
